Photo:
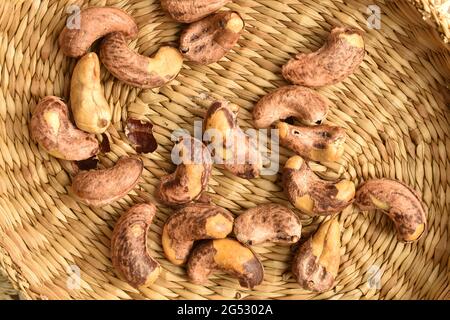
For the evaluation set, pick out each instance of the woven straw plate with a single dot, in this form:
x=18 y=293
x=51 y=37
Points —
x=395 y=110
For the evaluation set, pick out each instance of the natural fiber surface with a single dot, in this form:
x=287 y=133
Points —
x=395 y=110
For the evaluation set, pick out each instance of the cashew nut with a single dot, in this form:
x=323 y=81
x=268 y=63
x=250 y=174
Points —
x=188 y=11
x=225 y=255
x=95 y=23
x=98 y=188
x=316 y=263
x=51 y=128
x=129 y=253
x=209 y=40
x=268 y=222
x=400 y=202
x=238 y=152
x=319 y=143
x=302 y=103
x=335 y=61
x=138 y=70
x=90 y=109
x=312 y=195
x=193 y=222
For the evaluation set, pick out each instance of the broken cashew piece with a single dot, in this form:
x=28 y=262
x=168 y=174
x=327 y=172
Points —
x=316 y=264
x=304 y=104
x=226 y=255
x=312 y=195
x=129 y=253
x=210 y=39
x=190 y=178
x=51 y=128
x=335 y=61
x=95 y=23
x=99 y=188
x=187 y=11
x=401 y=203
x=268 y=223
x=237 y=151
x=138 y=70
x=193 y=222
x=90 y=109
x=319 y=143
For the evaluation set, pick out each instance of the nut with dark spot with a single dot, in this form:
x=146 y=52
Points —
x=140 y=134
x=188 y=11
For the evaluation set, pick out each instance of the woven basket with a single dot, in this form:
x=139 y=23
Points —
x=394 y=108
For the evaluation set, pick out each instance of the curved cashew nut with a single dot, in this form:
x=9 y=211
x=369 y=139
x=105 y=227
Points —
x=209 y=40
x=335 y=61
x=138 y=70
x=302 y=103
x=226 y=255
x=268 y=222
x=319 y=143
x=95 y=23
x=51 y=128
x=98 y=188
x=191 y=177
x=192 y=223
x=129 y=253
x=239 y=153
x=400 y=202
x=312 y=195
x=188 y=11
x=316 y=263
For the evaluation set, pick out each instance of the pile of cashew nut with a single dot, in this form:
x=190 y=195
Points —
x=199 y=235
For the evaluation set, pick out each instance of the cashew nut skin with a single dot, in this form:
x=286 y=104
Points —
x=227 y=255
x=190 y=178
x=316 y=263
x=194 y=222
x=188 y=11
x=210 y=39
x=319 y=143
x=90 y=109
x=335 y=61
x=268 y=222
x=129 y=253
x=302 y=103
x=95 y=23
x=138 y=70
x=240 y=154
x=51 y=128
x=99 y=188
x=401 y=203
x=312 y=195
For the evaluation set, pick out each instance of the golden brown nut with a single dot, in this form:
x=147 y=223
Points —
x=129 y=253
x=299 y=102
x=312 y=195
x=193 y=222
x=95 y=23
x=226 y=255
x=51 y=128
x=319 y=143
x=98 y=188
x=316 y=263
x=400 y=202
x=191 y=178
x=209 y=40
x=188 y=11
x=90 y=109
x=268 y=222
x=138 y=70
x=238 y=151
x=335 y=61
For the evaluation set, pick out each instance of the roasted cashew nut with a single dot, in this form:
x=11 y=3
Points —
x=312 y=195
x=188 y=11
x=129 y=253
x=400 y=202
